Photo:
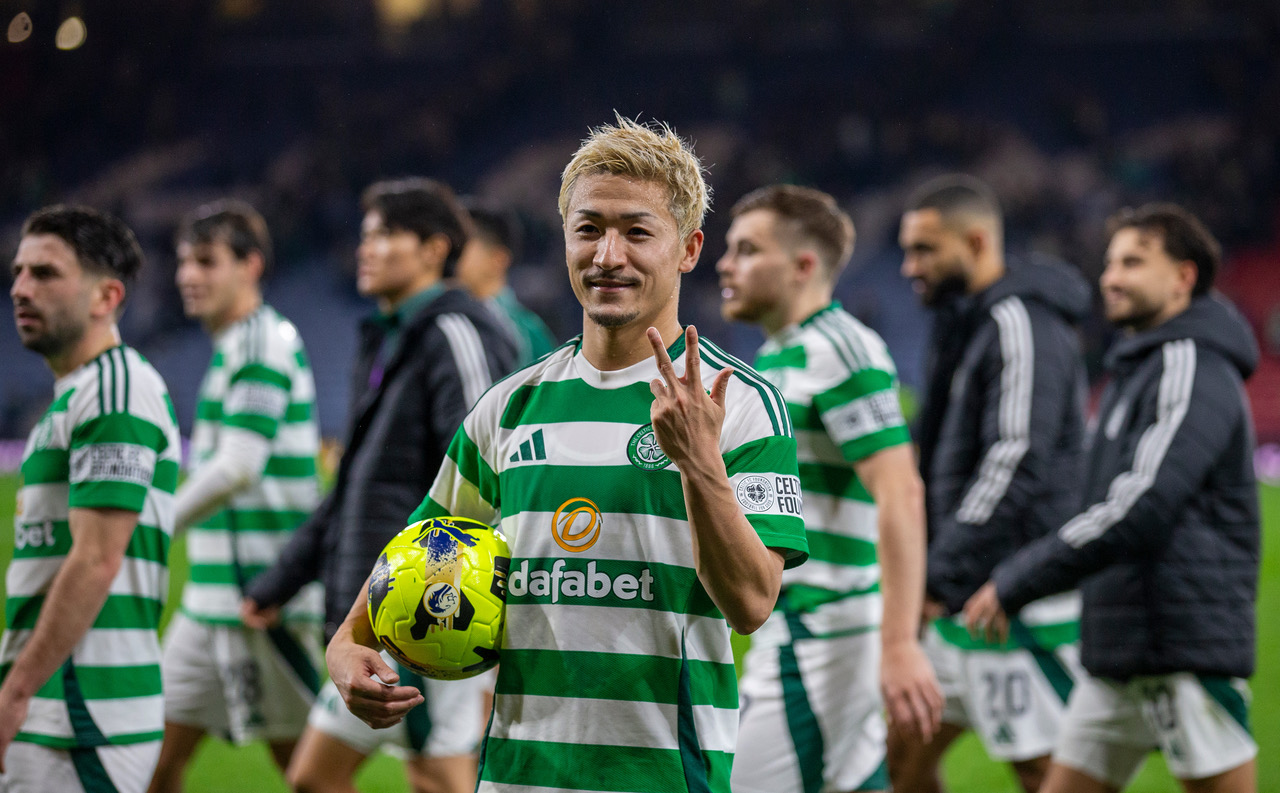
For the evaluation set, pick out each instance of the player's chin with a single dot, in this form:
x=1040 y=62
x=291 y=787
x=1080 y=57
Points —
x=1118 y=313
x=612 y=316
x=734 y=310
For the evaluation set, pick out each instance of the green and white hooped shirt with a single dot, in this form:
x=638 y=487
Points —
x=616 y=670
x=841 y=390
x=109 y=441
x=259 y=380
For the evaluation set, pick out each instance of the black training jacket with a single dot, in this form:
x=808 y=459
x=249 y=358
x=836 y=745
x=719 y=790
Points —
x=400 y=429
x=1168 y=545
x=1003 y=429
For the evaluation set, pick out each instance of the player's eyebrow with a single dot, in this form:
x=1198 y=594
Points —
x=592 y=213
x=40 y=266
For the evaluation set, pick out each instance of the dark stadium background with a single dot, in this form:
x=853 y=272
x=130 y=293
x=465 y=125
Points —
x=1070 y=108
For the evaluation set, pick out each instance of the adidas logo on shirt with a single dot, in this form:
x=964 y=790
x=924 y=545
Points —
x=530 y=450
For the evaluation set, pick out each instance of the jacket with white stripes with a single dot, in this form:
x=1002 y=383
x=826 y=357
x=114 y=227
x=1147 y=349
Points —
x=401 y=424
x=1167 y=547
x=1004 y=469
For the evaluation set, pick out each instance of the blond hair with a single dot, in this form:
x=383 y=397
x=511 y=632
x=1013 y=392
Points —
x=649 y=152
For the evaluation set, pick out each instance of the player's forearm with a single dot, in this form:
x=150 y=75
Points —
x=72 y=604
x=238 y=463
x=901 y=552
x=356 y=628
x=740 y=574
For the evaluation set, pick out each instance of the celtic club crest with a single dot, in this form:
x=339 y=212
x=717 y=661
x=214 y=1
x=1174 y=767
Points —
x=644 y=452
x=755 y=493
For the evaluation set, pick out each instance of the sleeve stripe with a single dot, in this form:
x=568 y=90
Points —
x=115 y=381
x=1014 y=420
x=845 y=352
x=856 y=336
x=468 y=355
x=1174 y=398
x=769 y=395
x=876 y=351
x=102 y=403
x=123 y=383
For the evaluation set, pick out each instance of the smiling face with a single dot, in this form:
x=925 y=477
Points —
x=624 y=250
x=1142 y=285
x=757 y=270
x=935 y=257
x=52 y=295
x=211 y=281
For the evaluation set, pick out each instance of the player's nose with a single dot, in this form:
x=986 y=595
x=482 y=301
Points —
x=21 y=288
x=609 y=250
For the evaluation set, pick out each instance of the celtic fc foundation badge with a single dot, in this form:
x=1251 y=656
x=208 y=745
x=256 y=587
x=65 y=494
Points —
x=644 y=452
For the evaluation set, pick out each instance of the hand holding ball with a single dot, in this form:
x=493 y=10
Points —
x=438 y=594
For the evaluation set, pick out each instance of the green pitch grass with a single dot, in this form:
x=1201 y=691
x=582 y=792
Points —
x=219 y=767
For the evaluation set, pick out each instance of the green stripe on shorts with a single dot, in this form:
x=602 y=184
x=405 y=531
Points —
x=802 y=722
x=92 y=773
x=1228 y=696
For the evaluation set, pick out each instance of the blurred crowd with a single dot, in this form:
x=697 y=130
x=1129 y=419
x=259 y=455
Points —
x=1069 y=109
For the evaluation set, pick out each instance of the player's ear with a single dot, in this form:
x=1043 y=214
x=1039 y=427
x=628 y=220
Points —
x=1188 y=274
x=256 y=264
x=808 y=266
x=691 y=251
x=434 y=250
x=502 y=258
x=977 y=241
x=106 y=298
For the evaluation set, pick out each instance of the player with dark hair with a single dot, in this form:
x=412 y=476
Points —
x=1000 y=435
x=81 y=706
x=253 y=480
x=425 y=357
x=847 y=623
x=495 y=246
x=423 y=207
x=1167 y=548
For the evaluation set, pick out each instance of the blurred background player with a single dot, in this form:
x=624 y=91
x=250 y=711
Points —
x=812 y=713
x=484 y=269
x=425 y=357
x=81 y=706
x=253 y=480
x=1000 y=438
x=654 y=513
x=1167 y=552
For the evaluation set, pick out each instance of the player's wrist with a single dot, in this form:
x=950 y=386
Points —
x=18 y=688
x=898 y=644
x=704 y=464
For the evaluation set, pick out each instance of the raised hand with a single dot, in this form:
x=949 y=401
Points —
x=686 y=419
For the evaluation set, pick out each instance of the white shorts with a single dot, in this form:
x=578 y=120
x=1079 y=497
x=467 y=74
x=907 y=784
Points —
x=1199 y=724
x=812 y=718
x=1013 y=699
x=32 y=768
x=450 y=723
x=238 y=683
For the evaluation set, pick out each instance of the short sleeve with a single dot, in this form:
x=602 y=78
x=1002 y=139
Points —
x=466 y=485
x=113 y=461
x=863 y=414
x=765 y=481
